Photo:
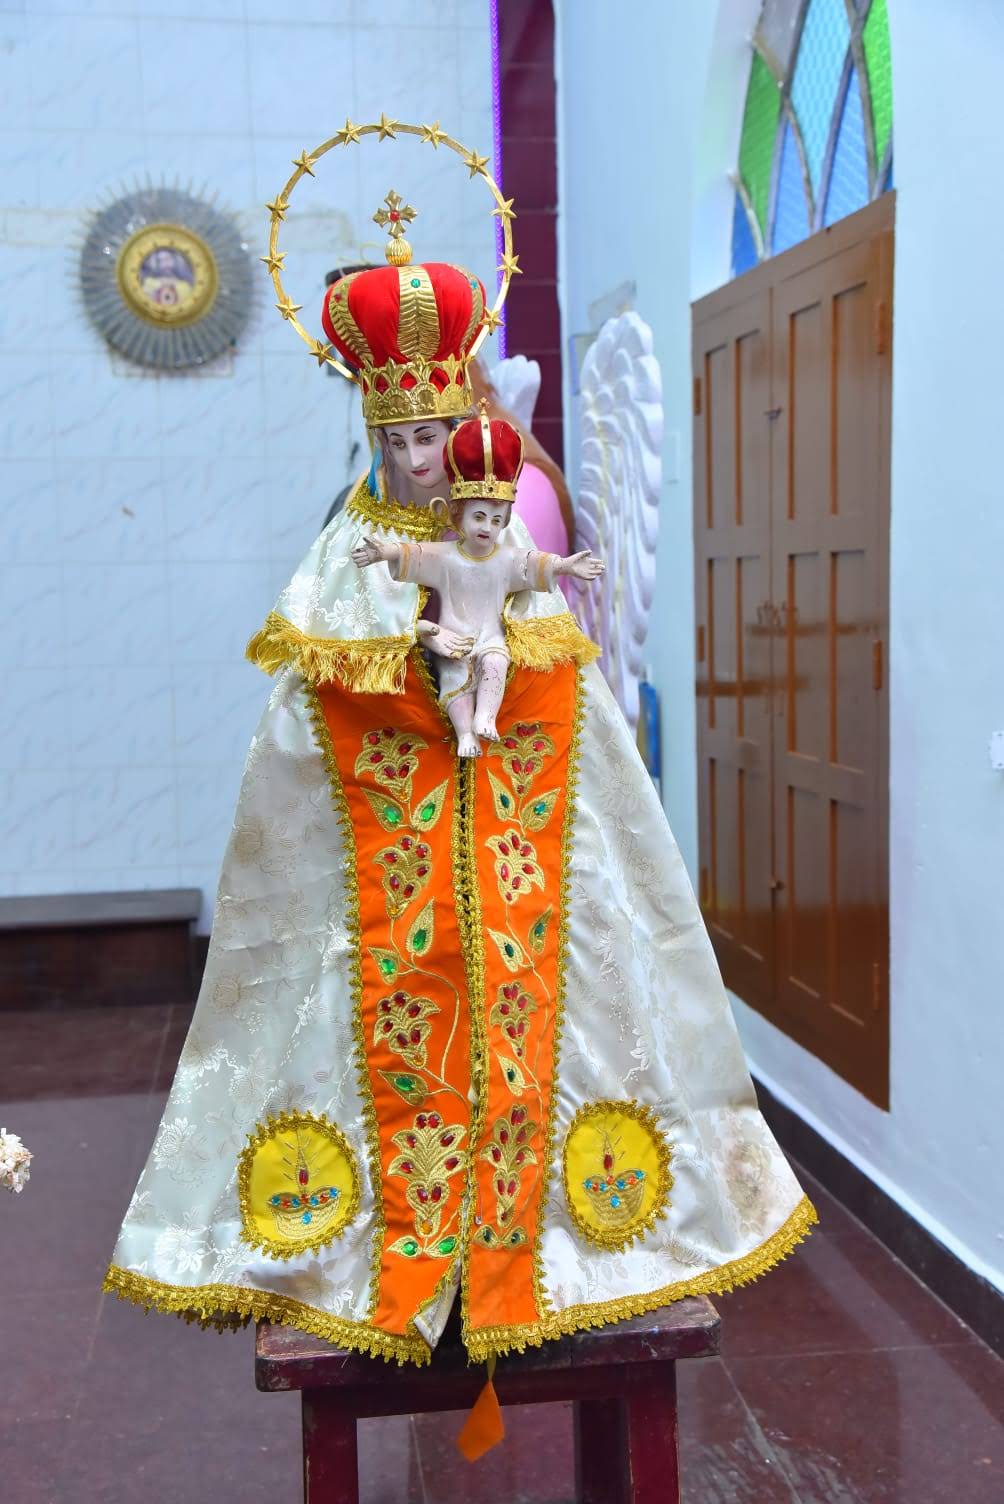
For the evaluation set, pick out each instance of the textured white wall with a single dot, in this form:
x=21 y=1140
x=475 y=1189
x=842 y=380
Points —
x=148 y=522
x=645 y=196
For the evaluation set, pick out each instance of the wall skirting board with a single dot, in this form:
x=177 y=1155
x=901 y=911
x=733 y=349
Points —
x=973 y=1299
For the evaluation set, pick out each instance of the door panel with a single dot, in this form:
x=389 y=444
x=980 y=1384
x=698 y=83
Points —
x=791 y=512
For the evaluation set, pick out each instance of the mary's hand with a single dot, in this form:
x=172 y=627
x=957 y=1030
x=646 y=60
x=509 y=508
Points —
x=367 y=552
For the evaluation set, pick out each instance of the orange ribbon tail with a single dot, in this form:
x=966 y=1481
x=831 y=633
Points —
x=484 y=1427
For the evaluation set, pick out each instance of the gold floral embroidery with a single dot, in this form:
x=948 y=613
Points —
x=402 y=1025
x=522 y=750
x=390 y=758
x=511 y=1013
x=509 y=1152
x=406 y=871
x=430 y=1151
x=430 y=1155
x=516 y=865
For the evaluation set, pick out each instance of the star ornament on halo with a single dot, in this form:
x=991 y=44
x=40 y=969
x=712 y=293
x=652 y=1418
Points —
x=348 y=132
x=305 y=162
x=492 y=320
x=274 y=261
x=277 y=208
x=320 y=351
x=505 y=210
x=387 y=129
x=510 y=265
x=288 y=308
x=432 y=134
x=475 y=163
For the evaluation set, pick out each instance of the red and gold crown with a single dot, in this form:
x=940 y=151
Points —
x=406 y=329
x=484 y=457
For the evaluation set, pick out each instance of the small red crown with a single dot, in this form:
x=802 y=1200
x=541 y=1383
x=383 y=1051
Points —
x=484 y=457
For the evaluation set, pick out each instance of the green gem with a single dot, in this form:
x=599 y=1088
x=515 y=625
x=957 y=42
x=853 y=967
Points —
x=510 y=1074
x=388 y=966
x=505 y=801
x=391 y=814
x=409 y=1247
x=510 y=952
x=539 y=808
x=427 y=811
x=404 y=1083
x=446 y=1245
x=421 y=936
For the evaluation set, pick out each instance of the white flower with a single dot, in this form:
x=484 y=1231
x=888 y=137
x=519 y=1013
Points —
x=248 y=1082
x=14 y=1162
x=180 y=1248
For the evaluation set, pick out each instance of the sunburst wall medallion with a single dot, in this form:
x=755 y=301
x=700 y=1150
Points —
x=166 y=277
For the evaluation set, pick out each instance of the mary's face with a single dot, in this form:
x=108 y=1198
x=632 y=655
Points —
x=416 y=449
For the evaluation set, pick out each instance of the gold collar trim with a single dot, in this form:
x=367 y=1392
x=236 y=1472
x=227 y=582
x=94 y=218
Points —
x=419 y=523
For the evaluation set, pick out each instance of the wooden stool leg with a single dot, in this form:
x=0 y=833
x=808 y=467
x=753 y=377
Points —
x=601 y=1475
x=330 y=1452
x=653 y=1458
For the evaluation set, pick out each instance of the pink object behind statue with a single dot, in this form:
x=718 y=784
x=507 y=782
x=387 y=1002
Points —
x=537 y=505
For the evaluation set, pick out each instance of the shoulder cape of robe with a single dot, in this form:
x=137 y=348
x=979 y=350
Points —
x=461 y=1025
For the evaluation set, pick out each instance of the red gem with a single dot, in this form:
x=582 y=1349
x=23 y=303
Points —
x=452 y=1162
x=437 y=1192
x=409 y=890
x=446 y=1140
x=406 y=843
x=394 y=215
x=302 y=1177
x=608 y=1161
x=394 y=882
x=422 y=1194
x=421 y=1120
x=517 y=766
x=376 y=757
x=527 y=869
x=400 y=997
x=406 y=1166
x=434 y=1120
x=496 y=1154
x=517 y=882
x=421 y=871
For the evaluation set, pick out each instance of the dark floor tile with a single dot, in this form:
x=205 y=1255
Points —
x=35 y=1463
x=920 y=1426
x=389 y=1468
x=81 y=1052
x=60 y=1232
x=46 y=1344
x=835 y=1221
x=834 y=1296
x=724 y=1456
x=533 y=1465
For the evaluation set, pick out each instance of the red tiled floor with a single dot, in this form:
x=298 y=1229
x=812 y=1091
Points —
x=842 y=1381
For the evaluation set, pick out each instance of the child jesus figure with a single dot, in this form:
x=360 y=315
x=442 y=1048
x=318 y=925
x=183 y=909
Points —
x=473 y=574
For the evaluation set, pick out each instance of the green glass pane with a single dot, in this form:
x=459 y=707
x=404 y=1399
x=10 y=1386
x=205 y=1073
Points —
x=756 y=146
x=878 y=60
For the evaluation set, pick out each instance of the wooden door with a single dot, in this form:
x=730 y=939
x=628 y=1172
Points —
x=732 y=497
x=792 y=378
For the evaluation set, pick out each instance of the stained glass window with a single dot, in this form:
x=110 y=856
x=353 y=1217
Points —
x=816 y=140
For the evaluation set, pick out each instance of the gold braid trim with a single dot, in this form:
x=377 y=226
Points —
x=369 y=666
x=490 y=1341
x=540 y=1294
x=418 y=523
x=227 y=1307
x=354 y=931
x=542 y=642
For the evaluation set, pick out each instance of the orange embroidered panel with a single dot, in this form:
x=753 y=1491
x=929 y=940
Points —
x=396 y=759
x=518 y=820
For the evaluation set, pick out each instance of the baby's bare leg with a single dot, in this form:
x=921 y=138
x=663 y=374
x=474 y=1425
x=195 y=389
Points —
x=461 y=713
x=491 y=687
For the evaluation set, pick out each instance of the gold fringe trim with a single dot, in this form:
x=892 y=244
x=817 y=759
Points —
x=487 y=1342
x=227 y=1307
x=369 y=666
x=542 y=642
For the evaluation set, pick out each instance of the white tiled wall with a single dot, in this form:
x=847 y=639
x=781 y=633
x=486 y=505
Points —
x=148 y=522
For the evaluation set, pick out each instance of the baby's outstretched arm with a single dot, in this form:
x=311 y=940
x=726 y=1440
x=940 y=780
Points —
x=372 y=550
x=581 y=566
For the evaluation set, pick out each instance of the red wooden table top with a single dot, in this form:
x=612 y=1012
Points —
x=289 y=1359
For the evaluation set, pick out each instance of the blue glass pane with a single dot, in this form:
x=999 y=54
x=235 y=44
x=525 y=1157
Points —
x=818 y=69
x=888 y=178
x=848 y=190
x=791 y=216
x=744 y=255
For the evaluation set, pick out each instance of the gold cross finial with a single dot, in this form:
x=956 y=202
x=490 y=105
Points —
x=395 y=216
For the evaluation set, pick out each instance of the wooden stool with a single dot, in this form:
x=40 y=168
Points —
x=621 y=1378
